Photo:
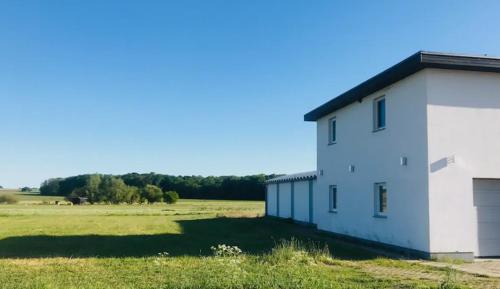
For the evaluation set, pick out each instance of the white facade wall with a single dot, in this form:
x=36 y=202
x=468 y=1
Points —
x=464 y=125
x=376 y=157
x=271 y=201
x=301 y=201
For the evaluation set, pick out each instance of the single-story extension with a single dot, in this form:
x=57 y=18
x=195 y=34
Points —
x=409 y=159
x=291 y=196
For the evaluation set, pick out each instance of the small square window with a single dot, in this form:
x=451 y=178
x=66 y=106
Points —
x=332 y=130
x=379 y=113
x=333 y=198
x=380 y=199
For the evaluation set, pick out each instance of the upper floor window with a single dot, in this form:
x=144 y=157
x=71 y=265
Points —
x=332 y=130
x=333 y=198
x=379 y=113
x=380 y=199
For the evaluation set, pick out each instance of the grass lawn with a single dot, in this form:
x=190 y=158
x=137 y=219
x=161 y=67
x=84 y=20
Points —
x=117 y=246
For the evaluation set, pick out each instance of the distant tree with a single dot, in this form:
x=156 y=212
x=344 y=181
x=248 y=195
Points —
x=134 y=179
x=152 y=194
x=68 y=185
x=133 y=187
x=25 y=189
x=135 y=195
x=1 y=187
x=90 y=189
x=92 y=186
x=50 y=187
x=170 y=197
x=114 y=190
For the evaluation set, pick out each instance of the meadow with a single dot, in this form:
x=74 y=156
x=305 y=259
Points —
x=43 y=245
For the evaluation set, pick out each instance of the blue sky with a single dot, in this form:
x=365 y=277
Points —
x=198 y=87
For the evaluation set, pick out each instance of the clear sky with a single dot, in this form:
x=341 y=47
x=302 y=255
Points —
x=199 y=87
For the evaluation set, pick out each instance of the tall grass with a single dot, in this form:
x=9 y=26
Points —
x=294 y=250
x=292 y=264
x=450 y=280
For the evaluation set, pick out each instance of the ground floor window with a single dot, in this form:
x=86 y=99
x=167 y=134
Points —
x=380 y=199
x=333 y=198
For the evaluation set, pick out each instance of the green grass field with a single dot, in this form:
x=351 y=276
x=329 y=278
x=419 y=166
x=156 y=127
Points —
x=117 y=246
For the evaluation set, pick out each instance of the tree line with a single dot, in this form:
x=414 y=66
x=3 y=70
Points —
x=152 y=187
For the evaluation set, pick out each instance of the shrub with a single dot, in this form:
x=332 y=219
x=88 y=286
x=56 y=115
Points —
x=8 y=199
x=170 y=197
x=152 y=194
x=25 y=189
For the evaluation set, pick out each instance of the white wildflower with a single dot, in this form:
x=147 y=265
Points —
x=223 y=250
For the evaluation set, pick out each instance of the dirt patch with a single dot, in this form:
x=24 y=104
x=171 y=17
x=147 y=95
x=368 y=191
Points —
x=483 y=267
x=480 y=274
x=435 y=272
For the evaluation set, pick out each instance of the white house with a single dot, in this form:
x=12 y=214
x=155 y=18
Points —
x=409 y=159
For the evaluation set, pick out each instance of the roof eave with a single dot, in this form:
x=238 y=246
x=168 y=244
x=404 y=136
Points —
x=403 y=69
x=299 y=179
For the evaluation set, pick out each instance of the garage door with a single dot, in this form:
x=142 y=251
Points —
x=487 y=204
x=271 y=200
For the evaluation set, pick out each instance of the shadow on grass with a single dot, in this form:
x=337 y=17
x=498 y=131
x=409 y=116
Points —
x=252 y=235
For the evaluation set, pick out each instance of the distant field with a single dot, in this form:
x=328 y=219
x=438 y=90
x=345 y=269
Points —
x=117 y=246
x=29 y=198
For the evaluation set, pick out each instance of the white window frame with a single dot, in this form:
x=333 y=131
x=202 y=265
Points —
x=377 y=204
x=333 y=199
x=376 y=101
x=332 y=137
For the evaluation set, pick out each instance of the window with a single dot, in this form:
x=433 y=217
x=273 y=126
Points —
x=380 y=199
x=333 y=198
x=332 y=130
x=379 y=113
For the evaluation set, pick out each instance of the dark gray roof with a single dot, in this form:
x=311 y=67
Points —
x=411 y=65
x=294 y=177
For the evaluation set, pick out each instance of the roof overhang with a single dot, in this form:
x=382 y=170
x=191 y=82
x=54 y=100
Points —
x=293 y=178
x=407 y=67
